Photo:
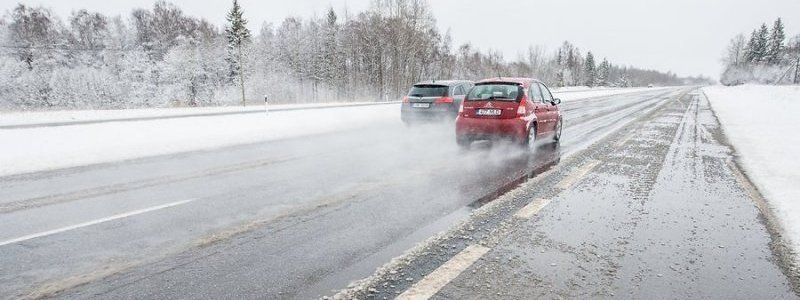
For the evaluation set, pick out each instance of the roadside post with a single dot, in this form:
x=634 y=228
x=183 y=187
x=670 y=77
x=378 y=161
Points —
x=266 y=104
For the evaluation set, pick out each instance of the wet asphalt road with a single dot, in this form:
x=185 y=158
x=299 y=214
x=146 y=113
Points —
x=657 y=211
x=299 y=218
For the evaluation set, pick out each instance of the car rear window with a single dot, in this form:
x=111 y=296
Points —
x=495 y=92
x=428 y=91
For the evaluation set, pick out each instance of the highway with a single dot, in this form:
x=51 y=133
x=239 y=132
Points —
x=294 y=218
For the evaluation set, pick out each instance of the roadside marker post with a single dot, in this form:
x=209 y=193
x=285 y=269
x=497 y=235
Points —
x=266 y=105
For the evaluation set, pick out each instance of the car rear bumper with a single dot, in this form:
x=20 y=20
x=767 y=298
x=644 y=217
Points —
x=481 y=129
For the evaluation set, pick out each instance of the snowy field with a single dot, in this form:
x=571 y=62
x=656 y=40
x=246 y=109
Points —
x=763 y=125
x=45 y=148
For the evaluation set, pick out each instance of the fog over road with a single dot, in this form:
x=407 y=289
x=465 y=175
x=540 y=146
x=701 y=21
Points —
x=296 y=218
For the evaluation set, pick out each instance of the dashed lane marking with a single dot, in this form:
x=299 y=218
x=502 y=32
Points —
x=436 y=280
x=532 y=208
x=573 y=178
x=94 y=222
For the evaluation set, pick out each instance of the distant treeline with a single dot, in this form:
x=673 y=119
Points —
x=162 y=57
x=765 y=57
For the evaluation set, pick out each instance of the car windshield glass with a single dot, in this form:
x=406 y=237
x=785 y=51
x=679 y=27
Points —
x=494 y=91
x=428 y=91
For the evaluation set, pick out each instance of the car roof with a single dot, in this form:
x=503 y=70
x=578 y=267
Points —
x=524 y=81
x=443 y=82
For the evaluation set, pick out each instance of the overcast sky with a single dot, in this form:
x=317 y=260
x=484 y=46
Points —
x=684 y=36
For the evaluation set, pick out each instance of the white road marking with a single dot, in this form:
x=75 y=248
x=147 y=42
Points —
x=436 y=280
x=94 y=222
x=532 y=208
x=573 y=178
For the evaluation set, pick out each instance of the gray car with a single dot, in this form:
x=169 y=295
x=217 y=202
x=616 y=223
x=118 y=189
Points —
x=435 y=100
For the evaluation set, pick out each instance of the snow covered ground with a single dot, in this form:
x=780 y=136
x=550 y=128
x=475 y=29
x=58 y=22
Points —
x=25 y=150
x=66 y=116
x=42 y=148
x=763 y=125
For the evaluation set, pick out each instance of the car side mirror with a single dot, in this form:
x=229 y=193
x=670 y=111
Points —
x=556 y=101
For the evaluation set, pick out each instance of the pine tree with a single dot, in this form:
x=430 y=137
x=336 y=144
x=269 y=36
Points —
x=603 y=72
x=332 y=64
x=761 y=44
x=238 y=35
x=750 y=51
x=775 y=46
x=590 y=70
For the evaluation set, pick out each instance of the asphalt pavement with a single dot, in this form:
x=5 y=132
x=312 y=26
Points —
x=305 y=217
x=658 y=210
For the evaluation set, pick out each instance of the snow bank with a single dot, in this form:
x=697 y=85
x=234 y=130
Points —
x=34 y=149
x=65 y=116
x=763 y=125
x=43 y=148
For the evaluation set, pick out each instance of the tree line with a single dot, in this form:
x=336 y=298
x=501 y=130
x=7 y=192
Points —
x=160 y=57
x=766 y=57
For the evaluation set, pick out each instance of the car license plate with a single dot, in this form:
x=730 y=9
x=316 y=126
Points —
x=488 y=112
x=420 y=105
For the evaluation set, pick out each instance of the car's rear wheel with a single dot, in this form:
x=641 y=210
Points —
x=557 y=132
x=530 y=141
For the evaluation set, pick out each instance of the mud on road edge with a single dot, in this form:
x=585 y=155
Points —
x=487 y=225
x=787 y=259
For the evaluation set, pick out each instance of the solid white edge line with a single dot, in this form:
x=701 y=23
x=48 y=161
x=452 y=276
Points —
x=436 y=280
x=94 y=222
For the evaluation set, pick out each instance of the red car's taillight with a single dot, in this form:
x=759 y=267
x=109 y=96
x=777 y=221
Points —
x=444 y=100
x=521 y=110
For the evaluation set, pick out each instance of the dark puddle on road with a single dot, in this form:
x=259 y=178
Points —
x=513 y=172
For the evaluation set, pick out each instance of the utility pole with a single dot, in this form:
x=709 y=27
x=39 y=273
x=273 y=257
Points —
x=797 y=71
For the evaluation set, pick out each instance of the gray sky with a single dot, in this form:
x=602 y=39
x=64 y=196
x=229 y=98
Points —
x=684 y=36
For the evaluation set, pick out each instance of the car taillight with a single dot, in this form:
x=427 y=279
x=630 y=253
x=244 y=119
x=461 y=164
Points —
x=461 y=108
x=444 y=100
x=405 y=99
x=521 y=109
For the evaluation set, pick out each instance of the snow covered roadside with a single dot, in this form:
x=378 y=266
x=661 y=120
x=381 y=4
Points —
x=763 y=125
x=42 y=148
x=25 y=150
x=78 y=116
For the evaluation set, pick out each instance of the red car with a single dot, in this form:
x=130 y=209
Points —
x=521 y=109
